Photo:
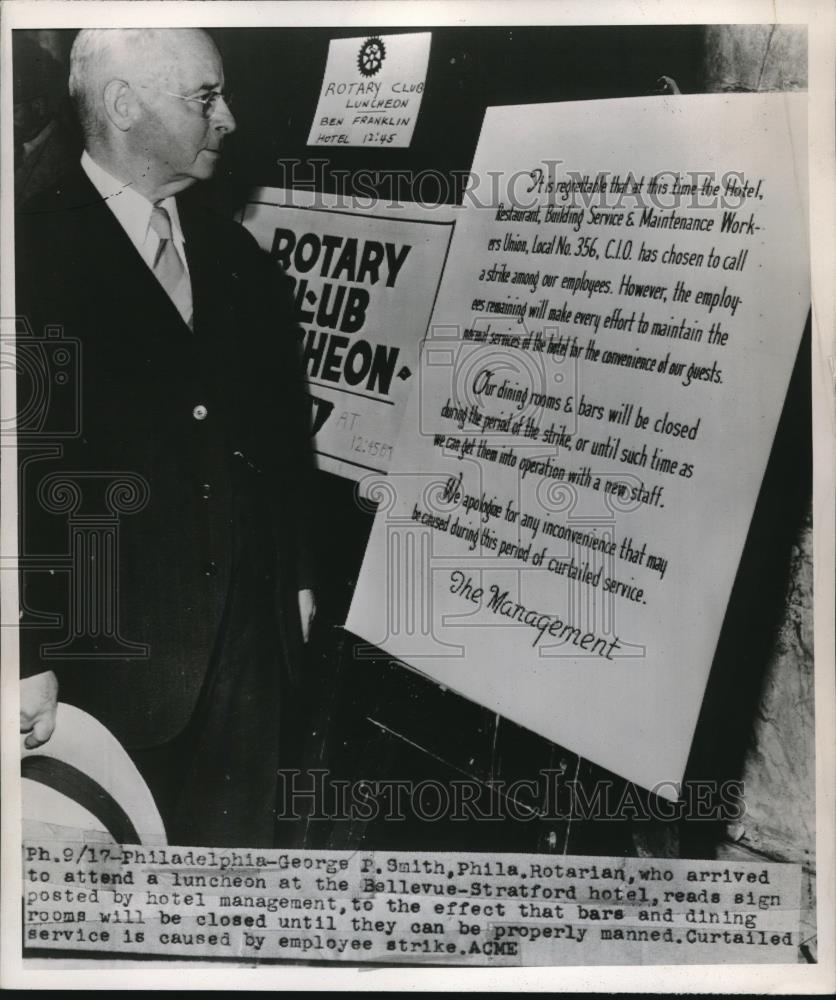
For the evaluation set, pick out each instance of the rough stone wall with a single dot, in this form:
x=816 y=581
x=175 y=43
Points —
x=755 y=57
x=779 y=770
x=779 y=766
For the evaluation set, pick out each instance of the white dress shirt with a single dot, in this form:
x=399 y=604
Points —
x=133 y=213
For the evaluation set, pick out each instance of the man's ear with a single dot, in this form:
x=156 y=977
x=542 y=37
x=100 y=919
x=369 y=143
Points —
x=120 y=104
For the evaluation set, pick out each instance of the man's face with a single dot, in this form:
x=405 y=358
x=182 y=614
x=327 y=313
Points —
x=180 y=143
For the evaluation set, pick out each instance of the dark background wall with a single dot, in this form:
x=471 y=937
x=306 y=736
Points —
x=278 y=73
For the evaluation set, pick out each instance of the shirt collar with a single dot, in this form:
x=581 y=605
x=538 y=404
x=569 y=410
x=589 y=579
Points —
x=132 y=210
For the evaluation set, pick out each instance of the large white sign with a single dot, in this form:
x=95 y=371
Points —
x=605 y=369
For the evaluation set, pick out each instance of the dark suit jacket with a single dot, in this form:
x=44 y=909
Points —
x=201 y=498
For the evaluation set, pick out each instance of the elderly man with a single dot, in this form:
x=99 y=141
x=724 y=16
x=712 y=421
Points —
x=192 y=426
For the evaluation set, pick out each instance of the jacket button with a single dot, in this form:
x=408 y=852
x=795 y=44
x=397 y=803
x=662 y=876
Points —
x=200 y=412
x=210 y=569
x=206 y=491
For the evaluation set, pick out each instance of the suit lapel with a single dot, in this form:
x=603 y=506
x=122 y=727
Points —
x=124 y=275
x=211 y=299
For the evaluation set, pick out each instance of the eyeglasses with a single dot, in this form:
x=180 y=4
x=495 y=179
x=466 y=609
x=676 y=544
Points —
x=208 y=102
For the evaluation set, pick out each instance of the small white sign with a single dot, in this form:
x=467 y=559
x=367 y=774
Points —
x=371 y=91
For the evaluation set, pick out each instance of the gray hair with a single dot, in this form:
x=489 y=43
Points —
x=99 y=54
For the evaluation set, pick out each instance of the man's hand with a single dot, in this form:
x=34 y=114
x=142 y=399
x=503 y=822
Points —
x=307 y=612
x=38 y=701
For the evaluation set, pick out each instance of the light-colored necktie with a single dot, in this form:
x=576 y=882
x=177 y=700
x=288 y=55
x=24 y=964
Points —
x=168 y=267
